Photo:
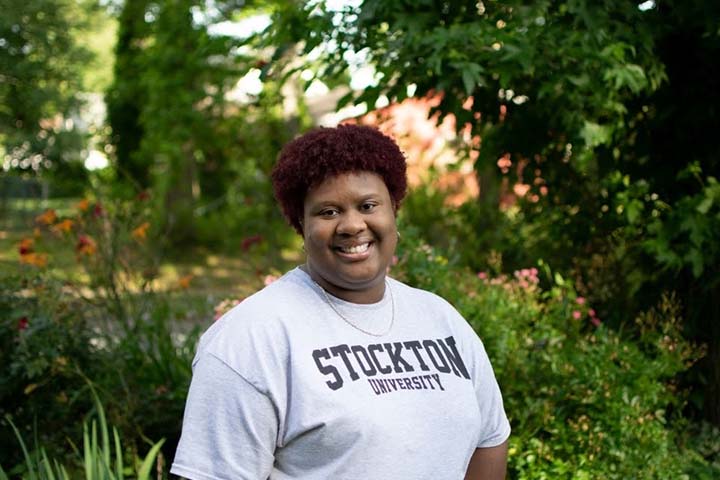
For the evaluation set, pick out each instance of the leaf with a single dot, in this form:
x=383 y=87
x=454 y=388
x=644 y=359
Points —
x=144 y=472
x=634 y=209
x=630 y=75
x=595 y=134
x=30 y=388
x=695 y=258
x=471 y=76
x=28 y=462
x=705 y=206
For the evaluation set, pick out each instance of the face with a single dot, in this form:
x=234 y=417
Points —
x=350 y=235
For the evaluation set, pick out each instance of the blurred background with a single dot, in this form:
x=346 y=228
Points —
x=563 y=160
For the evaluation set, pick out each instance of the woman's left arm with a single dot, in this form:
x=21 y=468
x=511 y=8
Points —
x=488 y=463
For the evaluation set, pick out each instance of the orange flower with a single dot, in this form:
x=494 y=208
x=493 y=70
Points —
x=26 y=246
x=65 y=226
x=86 y=245
x=184 y=282
x=35 y=259
x=48 y=217
x=140 y=232
x=83 y=205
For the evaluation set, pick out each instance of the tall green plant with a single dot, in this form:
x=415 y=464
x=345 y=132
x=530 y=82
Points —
x=101 y=459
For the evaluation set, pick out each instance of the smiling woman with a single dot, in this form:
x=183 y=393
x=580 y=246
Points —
x=336 y=370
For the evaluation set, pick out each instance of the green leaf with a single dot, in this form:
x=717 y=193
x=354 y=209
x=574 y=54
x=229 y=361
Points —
x=144 y=472
x=696 y=261
x=705 y=205
x=595 y=134
x=634 y=209
x=26 y=454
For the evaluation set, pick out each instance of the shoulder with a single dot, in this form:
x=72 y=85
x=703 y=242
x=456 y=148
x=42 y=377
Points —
x=263 y=308
x=423 y=299
x=259 y=324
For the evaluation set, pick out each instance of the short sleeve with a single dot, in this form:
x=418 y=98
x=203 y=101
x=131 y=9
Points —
x=495 y=427
x=229 y=427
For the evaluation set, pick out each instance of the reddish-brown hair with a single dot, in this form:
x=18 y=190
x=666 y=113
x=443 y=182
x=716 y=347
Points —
x=325 y=152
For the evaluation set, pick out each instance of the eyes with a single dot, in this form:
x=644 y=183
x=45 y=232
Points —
x=364 y=207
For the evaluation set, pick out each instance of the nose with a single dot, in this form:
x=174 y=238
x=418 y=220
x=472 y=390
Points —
x=351 y=223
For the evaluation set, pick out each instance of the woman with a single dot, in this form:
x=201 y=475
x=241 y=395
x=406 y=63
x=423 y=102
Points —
x=336 y=371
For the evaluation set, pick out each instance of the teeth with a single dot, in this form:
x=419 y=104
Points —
x=356 y=249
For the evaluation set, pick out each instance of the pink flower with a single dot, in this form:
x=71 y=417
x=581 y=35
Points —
x=534 y=272
x=98 y=209
x=576 y=315
x=248 y=242
x=595 y=321
x=580 y=300
x=269 y=279
x=591 y=312
x=22 y=324
x=482 y=275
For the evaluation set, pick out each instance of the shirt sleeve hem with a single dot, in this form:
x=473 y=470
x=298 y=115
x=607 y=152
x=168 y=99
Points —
x=191 y=474
x=496 y=440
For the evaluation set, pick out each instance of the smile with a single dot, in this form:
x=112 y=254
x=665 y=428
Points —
x=362 y=248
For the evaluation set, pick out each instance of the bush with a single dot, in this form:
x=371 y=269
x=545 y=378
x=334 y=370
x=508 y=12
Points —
x=584 y=401
x=106 y=324
x=46 y=346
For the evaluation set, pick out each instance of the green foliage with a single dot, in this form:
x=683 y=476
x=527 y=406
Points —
x=108 y=325
x=51 y=350
x=598 y=106
x=44 y=343
x=584 y=401
x=687 y=235
x=206 y=157
x=98 y=461
x=41 y=64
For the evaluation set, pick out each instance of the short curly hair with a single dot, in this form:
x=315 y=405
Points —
x=325 y=152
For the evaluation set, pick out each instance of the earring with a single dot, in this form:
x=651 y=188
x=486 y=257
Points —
x=398 y=234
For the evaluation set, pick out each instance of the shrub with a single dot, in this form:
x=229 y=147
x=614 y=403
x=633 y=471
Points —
x=107 y=324
x=45 y=345
x=584 y=401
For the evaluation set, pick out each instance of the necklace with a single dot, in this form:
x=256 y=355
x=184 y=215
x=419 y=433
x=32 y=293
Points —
x=367 y=332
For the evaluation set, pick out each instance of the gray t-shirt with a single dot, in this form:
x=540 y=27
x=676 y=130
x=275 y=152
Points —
x=284 y=388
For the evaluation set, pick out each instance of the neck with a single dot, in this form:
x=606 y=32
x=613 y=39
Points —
x=372 y=294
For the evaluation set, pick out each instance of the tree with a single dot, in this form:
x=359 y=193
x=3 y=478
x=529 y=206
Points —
x=586 y=96
x=174 y=128
x=40 y=78
x=127 y=95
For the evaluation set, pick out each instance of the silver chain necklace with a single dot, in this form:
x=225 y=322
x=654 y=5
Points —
x=367 y=332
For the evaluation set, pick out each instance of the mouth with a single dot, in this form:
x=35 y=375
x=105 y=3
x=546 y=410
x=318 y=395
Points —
x=354 y=249
x=354 y=252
